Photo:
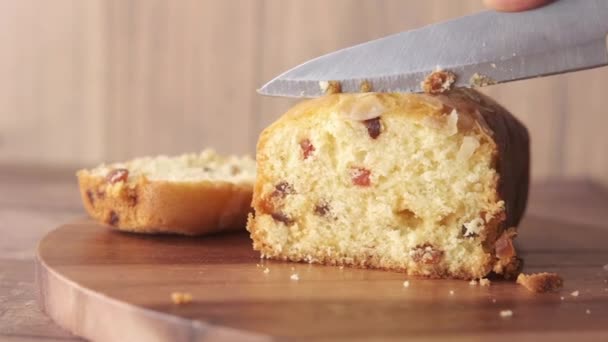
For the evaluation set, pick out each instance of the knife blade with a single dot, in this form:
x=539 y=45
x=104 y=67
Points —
x=565 y=36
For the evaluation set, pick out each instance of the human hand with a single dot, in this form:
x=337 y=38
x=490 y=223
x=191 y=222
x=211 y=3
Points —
x=514 y=5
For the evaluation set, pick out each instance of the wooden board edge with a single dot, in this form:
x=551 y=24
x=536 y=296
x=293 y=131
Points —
x=97 y=317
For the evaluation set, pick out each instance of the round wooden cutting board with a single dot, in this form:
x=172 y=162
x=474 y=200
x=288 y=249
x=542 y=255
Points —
x=111 y=286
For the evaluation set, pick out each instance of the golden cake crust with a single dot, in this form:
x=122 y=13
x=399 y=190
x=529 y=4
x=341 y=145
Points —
x=477 y=114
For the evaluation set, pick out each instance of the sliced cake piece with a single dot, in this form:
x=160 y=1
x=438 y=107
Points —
x=190 y=194
x=430 y=185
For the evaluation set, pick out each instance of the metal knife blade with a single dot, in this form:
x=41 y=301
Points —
x=567 y=35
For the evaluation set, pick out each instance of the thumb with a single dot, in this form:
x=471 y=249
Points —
x=514 y=5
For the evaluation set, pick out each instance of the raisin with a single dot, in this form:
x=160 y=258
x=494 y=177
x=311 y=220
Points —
x=117 y=175
x=360 y=176
x=307 y=148
x=322 y=209
x=283 y=189
x=426 y=254
x=374 y=127
x=90 y=197
x=278 y=216
x=113 y=219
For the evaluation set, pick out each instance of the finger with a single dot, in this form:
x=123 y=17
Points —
x=514 y=5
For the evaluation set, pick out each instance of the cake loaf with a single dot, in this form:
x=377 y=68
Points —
x=431 y=185
x=191 y=194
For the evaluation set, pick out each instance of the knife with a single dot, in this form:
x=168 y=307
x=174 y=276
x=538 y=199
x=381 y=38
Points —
x=564 y=36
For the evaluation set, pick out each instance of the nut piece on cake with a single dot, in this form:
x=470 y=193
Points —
x=427 y=187
x=191 y=194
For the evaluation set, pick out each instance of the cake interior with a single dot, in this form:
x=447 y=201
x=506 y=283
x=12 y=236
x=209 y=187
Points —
x=407 y=190
x=193 y=167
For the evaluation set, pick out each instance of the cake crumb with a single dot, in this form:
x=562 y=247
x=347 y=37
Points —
x=439 y=81
x=330 y=87
x=506 y=313
x=479 y=80
x=181 y=297
x=365 y=86
x=541 y=282
x=406 y=283
x=588 y=312
x=473 y=282
x=484 y=282
x=451 y=292
x=493 y=65
x=295 y=277
x=561 y=298
x=606 y=267
x=341 y=267
x=493 y=300
x=266 y=270
x=574 y=293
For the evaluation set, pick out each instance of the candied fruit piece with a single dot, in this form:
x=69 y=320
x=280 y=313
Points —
x=360 y=176
x=438 y=82
x=504 y=246
x=307 y=148
x=117 y=175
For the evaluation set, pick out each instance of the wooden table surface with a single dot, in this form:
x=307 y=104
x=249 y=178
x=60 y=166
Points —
x=34 y=200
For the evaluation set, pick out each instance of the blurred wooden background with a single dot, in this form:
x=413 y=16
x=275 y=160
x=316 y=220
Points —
x=84 y=81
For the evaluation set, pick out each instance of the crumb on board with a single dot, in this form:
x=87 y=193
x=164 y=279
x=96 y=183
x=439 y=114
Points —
x=439 y=81
x=561 y=298
x=406 y=283
x=341 y=267
x=541 y=282
x=484 y=282
x=473 y=282
x=588 y=312
x=479 y=80
x=266 y=270
x=181 y=297
x=330 y=87
x=493 y=300
x=365 y=86
x=295 y=277
x=574 y=293
x=605 y=267
x=506 y=313
x=451 y=292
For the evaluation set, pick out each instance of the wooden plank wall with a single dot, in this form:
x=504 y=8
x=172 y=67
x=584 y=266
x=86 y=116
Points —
x=83 y=81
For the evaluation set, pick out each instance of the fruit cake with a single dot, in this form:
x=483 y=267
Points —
x=431 y=185
x=191 y=194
